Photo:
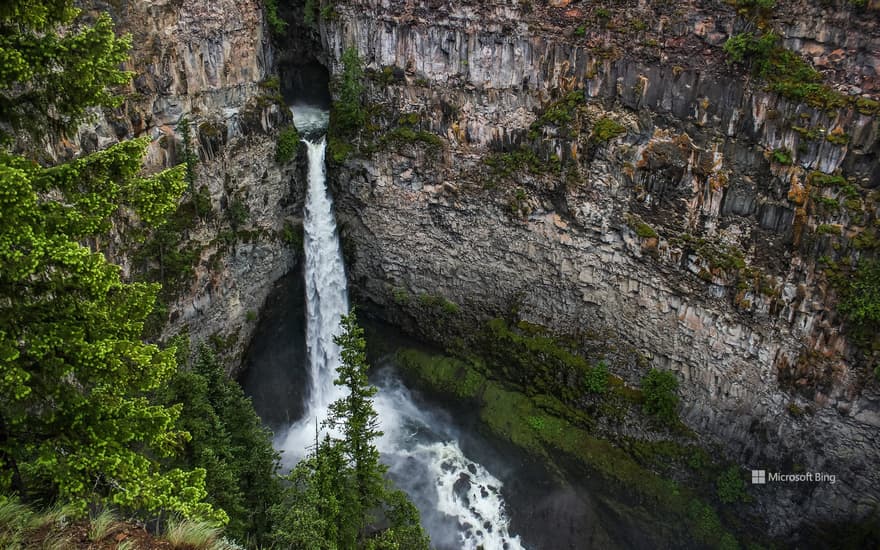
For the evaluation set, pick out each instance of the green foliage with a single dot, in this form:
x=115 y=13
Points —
x=328 y=12
x=277 y=25
x=828 y=229
x=189 y=156
x=405 y=134
x=730 y=486
x=546 y=428
x=528 y=356
x=784 y=71
x=310 y=13
x=451 y=375
x=77 y=421
x=860 y=300
x=338 y=497
x=782 y=156
x=827 y=180
x=285 y=147
x=55 y=65
x=228 y=442
x=596 y=379
x=293 y=235
x=437 y=301
x=658 y=389
x=401 y=296
x=560 y=114
x=238 y=213
x=507 y=165
x=642 y=229
x=358 y=420
x=606 y=129
x=166 y=255
x=347 y=114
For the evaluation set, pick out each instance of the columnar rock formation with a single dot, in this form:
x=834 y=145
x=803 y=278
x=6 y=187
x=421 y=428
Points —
x=212 y=63
x=665 y=207
x=639 y=191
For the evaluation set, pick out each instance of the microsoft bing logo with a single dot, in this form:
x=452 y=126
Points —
x=759 y=477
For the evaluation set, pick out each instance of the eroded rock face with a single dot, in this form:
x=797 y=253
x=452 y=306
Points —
x=209 y=61
x=688 y=234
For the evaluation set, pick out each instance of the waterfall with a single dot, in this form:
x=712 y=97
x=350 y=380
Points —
x=460 y=501
x=326 y=289
x=326 y=293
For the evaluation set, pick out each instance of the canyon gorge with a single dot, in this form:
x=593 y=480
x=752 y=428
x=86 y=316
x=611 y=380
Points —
x=604 y=171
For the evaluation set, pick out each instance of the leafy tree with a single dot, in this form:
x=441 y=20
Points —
x=76 y=419
x=228 y=442
x=54 y=65
x=658 y=389
x=338 y=495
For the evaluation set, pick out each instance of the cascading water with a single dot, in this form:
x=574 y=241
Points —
x=460 y=500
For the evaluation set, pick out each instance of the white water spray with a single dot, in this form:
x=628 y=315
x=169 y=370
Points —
x=326 y=292
x=460 y=500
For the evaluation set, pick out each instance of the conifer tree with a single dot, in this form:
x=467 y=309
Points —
x=77 y=419
x=338 y=496
x=359 y=422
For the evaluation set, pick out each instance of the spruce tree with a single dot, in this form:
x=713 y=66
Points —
x=77 y=416
x=359 y=422
x=338 y=497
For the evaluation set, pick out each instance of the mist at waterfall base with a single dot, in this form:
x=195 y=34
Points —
x=460 y=501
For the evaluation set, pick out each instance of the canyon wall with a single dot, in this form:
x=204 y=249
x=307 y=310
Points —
x=211 y=62
x=669 y=206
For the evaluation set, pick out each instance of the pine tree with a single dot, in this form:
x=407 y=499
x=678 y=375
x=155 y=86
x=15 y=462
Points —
x=77 y=420
x=54 y=66
x=228 y=441
x=359 y=422
x=339 y=495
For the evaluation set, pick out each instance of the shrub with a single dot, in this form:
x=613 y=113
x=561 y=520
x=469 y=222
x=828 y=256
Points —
x=285 y=147
x=596 y=379
x=238 y=213
x=828 y=229
x=861 y=298
x=782 y=156
x=606 y=129
x=658 y=389
x=276 y=23
x=730 y=486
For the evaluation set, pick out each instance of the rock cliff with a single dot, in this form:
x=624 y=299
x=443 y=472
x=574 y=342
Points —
x=211 y=63
x=601 y=169
x=606 y=171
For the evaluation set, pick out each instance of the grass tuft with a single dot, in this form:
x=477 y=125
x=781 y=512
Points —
x=101 y=525
x=194 y=535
